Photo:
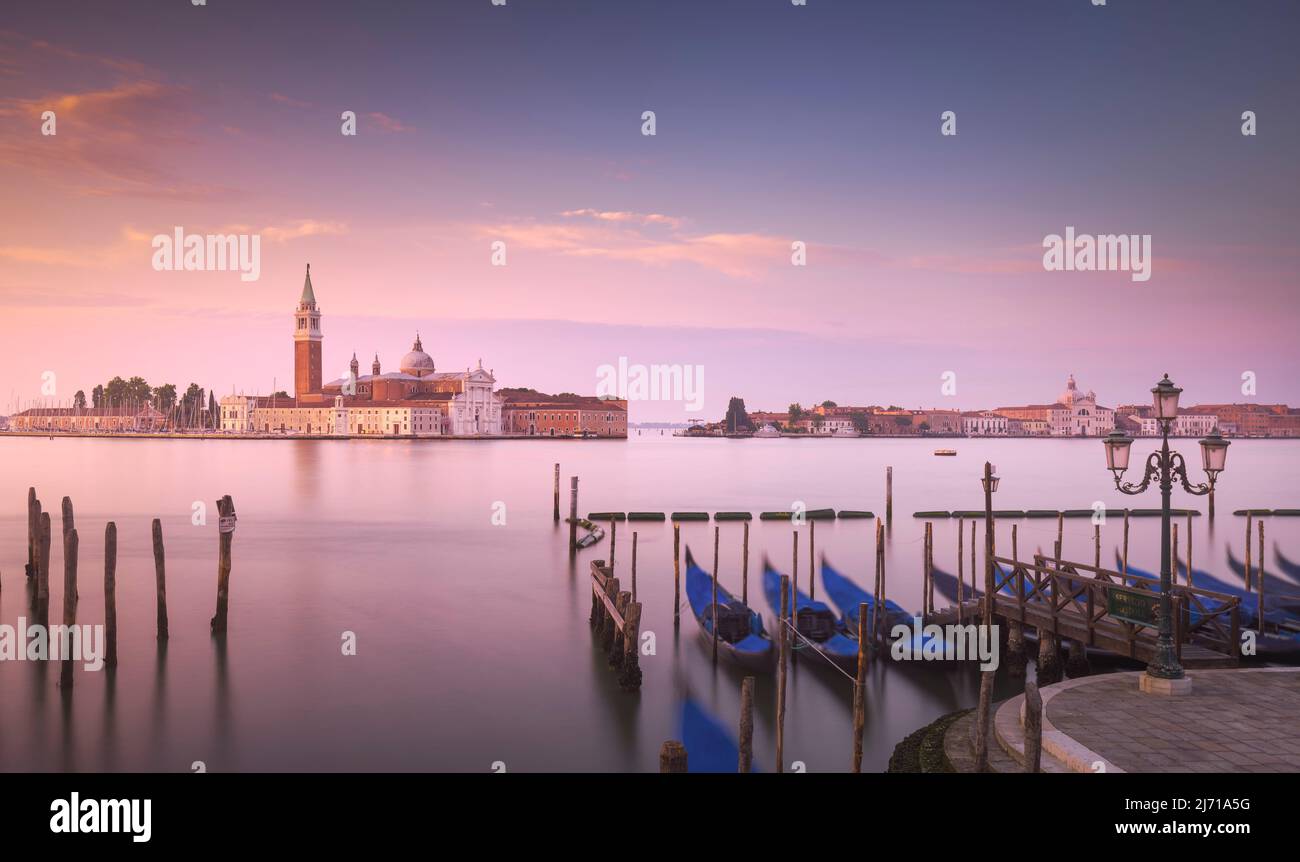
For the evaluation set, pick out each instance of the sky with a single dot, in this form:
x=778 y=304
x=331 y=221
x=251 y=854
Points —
x=774 y=124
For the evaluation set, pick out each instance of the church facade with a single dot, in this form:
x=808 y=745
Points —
x=415 y=400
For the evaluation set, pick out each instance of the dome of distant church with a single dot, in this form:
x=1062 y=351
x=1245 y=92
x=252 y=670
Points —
x=417 y=362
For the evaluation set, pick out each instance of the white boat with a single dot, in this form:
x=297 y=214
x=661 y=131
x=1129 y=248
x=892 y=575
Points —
x=768 y=430
x=846 y=432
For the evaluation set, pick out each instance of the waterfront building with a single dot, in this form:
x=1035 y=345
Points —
x=985 y=423
x=1253 y=420
x=89 y=419
x=564 y=417
x=1074 y=413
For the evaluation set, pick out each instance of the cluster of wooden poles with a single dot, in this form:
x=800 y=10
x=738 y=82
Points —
x=38 y=574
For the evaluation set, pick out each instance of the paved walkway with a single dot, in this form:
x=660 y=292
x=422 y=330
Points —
x=1233 y=721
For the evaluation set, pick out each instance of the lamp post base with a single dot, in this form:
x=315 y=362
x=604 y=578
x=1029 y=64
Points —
x=1149 y=684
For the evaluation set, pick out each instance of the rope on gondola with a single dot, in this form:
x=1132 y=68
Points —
x=809 y=643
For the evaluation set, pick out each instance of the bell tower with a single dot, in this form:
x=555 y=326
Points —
x=307 y=343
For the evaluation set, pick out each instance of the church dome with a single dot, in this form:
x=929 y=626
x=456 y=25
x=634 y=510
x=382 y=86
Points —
x=417 y=363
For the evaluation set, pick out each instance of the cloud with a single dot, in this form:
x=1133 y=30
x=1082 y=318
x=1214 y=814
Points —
x=387 y=123
x=626 y=217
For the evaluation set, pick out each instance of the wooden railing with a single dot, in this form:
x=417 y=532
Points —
x=1083 y=592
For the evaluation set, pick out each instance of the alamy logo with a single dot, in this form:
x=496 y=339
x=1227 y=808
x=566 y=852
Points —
x=75 y=814
x=213 y=252
x=946 y=643
x=683 y=383
x=84 y=643
x=1108 y=252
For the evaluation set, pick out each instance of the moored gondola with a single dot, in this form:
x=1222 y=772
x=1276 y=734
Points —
x=816 y=623
x=740 y=630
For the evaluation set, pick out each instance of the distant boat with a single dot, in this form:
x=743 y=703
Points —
x=945 y=451
x=846 y=432
x=740 y=630
x=815 y=622
x=768 y=430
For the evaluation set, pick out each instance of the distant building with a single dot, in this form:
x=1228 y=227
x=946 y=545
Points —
x=1074 y=414
x=566 y=417
x=985 y=423
x=89 y=419
x=1253 y=420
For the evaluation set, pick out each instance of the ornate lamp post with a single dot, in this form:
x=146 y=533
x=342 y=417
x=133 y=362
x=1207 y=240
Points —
x=1164 y=466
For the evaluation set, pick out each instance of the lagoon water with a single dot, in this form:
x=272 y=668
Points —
x=472 y=640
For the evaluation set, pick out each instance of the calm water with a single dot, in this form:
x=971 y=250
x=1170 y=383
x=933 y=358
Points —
x=472 y=638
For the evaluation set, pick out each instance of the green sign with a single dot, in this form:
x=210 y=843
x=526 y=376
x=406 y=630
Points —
x=1133 y=607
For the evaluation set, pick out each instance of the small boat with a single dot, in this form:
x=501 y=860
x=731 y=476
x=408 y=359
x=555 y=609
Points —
x=815 y=621
x=847 y=596
x=740 y=630
x=595 y=533
x=846 y=432
x=767 y=431
x=946 y=452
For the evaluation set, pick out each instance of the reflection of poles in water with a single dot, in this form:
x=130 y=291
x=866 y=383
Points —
x=109 y=745
x=159 y=733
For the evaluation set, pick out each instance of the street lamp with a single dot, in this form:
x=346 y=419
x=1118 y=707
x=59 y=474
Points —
x=1164 y=466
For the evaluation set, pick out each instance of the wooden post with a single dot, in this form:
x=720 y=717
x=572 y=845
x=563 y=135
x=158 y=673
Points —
x=860 y=689
x=41 y=564
x=33 y=533
x=43 y=573
x=110 y=594
x=982 y=722
x=634 y=565
x=1096 y=547
x=973 y=589
x=613 y=543
x=889 y=495
x=1033 y=728
x=1060 y=537
x=880 y=581
x=1173 y=554
x=226 y=508
x=69 y=596
x=925 y=571
x=1126 y=542
x=677 y=574
x=784 y=650
x=1189 y=548
x=1250 y=581
x=746 y=725
x=812 y=560
x=1261 y=576
x=672 y=757
x=961 y=565
x=630 y=678
x=69 y=523
x=160 y=576
x=1015 y=544
x=880 y=600
x=716 y=531
x=744 y=566
x=557 y=493
x=573 y=515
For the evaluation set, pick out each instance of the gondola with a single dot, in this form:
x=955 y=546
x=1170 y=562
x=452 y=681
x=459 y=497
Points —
x=1278 y=593
x=815 y=622
x=710 y=746
x=847 y=596
x=1288 y=568
x=1249 y=601
x=740 y=631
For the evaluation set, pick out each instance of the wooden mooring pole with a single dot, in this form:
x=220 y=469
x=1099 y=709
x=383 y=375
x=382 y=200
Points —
x=1189 y=548
x=1261 y=575
x=226 y=509
x=1060 y=537
x=677 y=574
x=1033 y=727
x=160 y=578
x=557 y=494
x=573 y=515
x=744 y=566
x=672 y=757
x=43 y=569
x=33 y=533
x=961 y=566
x=613 y=543
x=1250 y=581
x=110 y=594
x=746 y=725
x=716 y=532
x=812 y=561
x=982 y=716
x=889 y=495
x=860 y=689
x=1126 y=542
x=783 y=647
x=634 y=565
x=69 y=597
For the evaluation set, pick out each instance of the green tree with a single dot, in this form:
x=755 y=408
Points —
x=79 y=400
x=165 y=396
x=97 y=396
x=829 y=404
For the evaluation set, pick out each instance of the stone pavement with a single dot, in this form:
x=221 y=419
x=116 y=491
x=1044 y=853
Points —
x=1241 y=720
